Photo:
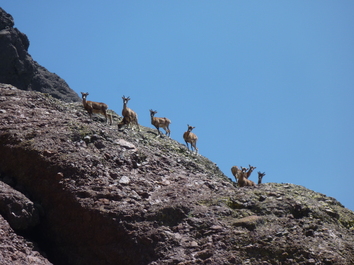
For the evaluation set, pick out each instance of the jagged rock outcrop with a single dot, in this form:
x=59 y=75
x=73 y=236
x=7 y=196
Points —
x=17 y=209
x=15 y=250
x=19 y=69
x=20 y=214
x=125 y=197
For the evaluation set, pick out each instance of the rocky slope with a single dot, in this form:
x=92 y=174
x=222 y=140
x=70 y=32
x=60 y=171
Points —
x=91 y=194
x=19 y=69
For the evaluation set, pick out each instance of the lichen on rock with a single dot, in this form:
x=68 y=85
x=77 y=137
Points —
x=127 y=197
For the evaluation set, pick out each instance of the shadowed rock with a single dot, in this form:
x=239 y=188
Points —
x=137 y=199
x=19 y=69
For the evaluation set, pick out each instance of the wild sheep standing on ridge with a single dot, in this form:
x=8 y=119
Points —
x=95 y=107
x=191 y=138
x=160 y=123
x=129 y=116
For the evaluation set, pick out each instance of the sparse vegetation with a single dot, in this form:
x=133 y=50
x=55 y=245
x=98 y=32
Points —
x=155 y=199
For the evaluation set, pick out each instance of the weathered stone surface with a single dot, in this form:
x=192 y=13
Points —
x=19 y=69
x=248 y=222
x=15 y=250
x=156 y=203
x=17 y=209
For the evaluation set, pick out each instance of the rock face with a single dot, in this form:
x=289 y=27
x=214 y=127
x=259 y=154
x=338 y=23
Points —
x=105 y=196
x=17 y=209
x=19 y=69
x=16 y=250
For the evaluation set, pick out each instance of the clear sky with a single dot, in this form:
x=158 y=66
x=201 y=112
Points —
x=266 y=83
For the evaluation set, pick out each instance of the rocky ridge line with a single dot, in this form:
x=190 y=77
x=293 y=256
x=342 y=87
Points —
x=125 y=197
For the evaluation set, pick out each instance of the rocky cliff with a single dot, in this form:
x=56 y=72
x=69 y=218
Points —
x=19 y=69
x=83 y=192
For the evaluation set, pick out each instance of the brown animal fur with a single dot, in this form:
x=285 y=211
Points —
x=191 y=138
x=250 y=170
x=235 y=171
x=241 y=176
x=129 y=116
x=160 y=123
x=95 y=107
x=243 y=181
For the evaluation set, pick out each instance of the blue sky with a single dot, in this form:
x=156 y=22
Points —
x=266 y=83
